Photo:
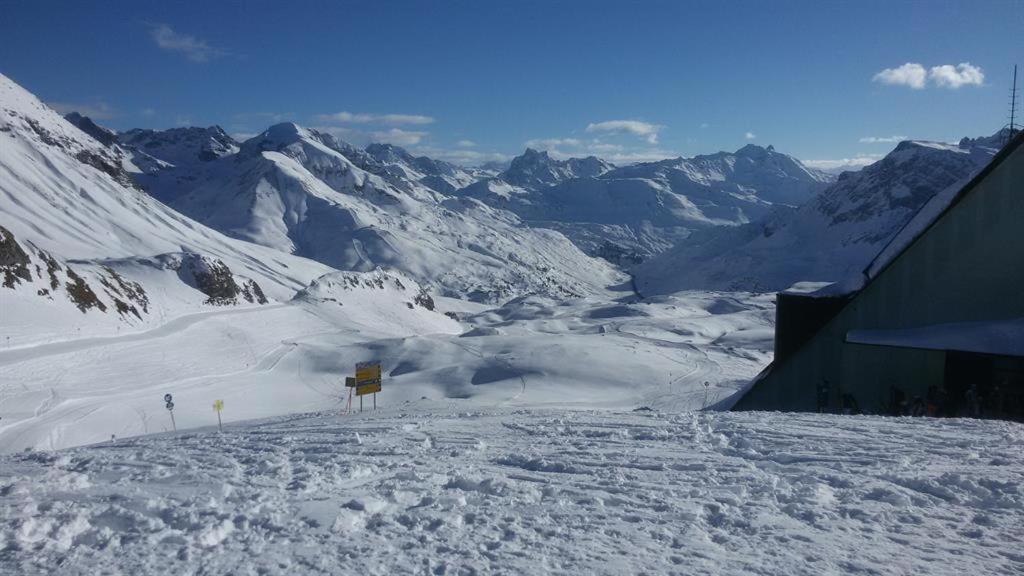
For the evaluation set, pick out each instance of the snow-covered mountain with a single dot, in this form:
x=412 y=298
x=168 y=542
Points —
x=830 y=238
x=298 y=191
x=629 y=213
x=181 y=146
x=397 y=163
x=80 y=245
x=533 y=169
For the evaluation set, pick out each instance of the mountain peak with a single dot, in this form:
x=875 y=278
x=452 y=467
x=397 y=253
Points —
x=754 y=151
x=85 y=124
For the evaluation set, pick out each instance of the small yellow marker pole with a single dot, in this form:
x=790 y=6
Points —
x=218 y=405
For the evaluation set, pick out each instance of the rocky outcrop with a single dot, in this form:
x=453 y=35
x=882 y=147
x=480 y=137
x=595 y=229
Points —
x=213 y=278
x=14 y=261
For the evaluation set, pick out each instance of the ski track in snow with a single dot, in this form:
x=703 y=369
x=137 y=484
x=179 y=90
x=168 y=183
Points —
x=169 y=328
x=430 y=488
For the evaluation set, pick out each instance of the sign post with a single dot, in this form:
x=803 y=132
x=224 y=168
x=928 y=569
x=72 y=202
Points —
x=218 y=405
x=350 y=383
x=368 y=381
x=169 y=403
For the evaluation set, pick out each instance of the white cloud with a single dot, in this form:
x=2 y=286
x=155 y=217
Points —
x=363 y=118
x=645 y=130
x=465 y=144
x=562 y=148
x=603 y=148
x=750 y=135
x=398 y=136
x=464 y=157
x=910 y=74
x=191 y=47
x=963 y=74
x=148 y=112
x=882 y=139
x=96 y=110
x=944 y=76
x=552 y=143
x=855 y=163
x=634 y=156
x=243 y=136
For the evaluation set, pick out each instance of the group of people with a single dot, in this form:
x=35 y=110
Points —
x=939 y=402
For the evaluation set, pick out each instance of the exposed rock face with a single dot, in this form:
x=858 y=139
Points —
x=14 y=261
x=213 y=278
x=98 y=133
x=423 y=299
x=132 y=293
x=81 y=293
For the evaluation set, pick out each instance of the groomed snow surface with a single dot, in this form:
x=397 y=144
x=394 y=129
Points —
x=430 y=488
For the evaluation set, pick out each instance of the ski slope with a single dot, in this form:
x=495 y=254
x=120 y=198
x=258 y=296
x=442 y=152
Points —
x=435 y=487
x=287 y=358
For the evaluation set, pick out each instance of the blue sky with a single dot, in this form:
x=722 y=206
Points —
x=472 y=81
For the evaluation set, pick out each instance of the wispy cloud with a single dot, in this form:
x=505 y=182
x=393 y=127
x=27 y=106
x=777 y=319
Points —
x=387 y=119
x=645 y=130
x=750 y=136
x=462 y=156
x=188 y=46
x=398 y=136
x=963 y=74
x=465 y=144
x=882 y=139
x=855 y=163
x=562 y=148
x=550 y=143
x=95 y=110
x=915 y=76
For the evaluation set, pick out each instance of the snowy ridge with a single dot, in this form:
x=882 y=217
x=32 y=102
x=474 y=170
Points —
x=831 y=238
x=69 y=206
x=385 y=303
x=630 y=213
x=294 y=189
x=399 y=166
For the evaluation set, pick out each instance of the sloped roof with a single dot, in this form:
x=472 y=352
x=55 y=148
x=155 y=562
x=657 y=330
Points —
x=914 y=229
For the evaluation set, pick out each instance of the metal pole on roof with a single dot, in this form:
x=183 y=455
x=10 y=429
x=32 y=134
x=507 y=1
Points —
x=1013 y=106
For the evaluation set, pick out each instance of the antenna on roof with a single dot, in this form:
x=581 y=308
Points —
x=1013 y=107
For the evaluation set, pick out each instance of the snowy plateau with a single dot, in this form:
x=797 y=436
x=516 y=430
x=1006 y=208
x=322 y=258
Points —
x=561 y=341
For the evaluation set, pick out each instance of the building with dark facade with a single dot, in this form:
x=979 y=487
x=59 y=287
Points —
x=937 y=326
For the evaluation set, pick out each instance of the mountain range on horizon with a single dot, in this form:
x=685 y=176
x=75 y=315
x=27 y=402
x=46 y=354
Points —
x=755 y=219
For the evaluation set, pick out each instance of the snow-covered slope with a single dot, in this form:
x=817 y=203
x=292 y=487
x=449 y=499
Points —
x=429 y=488
x=84 y=248
x=629 y=213
x=294 y=189
x=830 y=238
x=293 y=357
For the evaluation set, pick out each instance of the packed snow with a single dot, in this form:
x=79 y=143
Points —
x=439 y=487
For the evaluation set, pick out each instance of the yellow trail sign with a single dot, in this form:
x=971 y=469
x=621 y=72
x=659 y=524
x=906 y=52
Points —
x=367 y=373
x=367 y=389
x=218 y=405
